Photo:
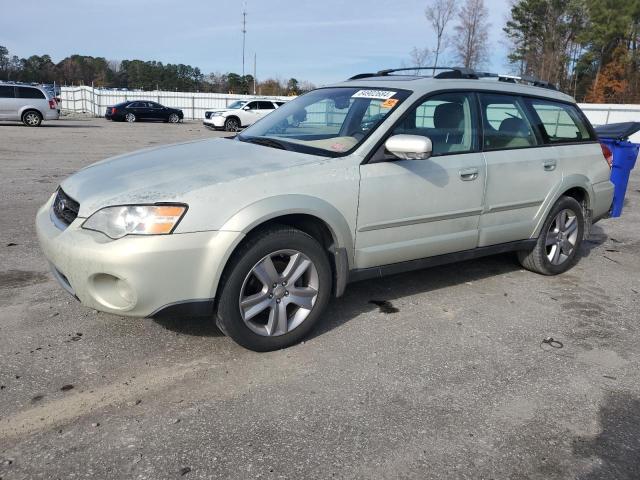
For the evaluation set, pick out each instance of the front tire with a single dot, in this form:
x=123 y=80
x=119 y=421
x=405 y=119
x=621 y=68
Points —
x=174 y=118
x=232 y=125
x=559 y=242
x=32 y=118
x=130 y=117
x=274 y=290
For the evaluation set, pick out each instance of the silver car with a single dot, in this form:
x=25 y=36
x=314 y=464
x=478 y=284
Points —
x=377 y=175
x=27 y=104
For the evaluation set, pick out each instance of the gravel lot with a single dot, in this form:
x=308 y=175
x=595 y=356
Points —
x=452 y=381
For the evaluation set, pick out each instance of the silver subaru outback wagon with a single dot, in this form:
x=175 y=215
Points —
x=380 y=174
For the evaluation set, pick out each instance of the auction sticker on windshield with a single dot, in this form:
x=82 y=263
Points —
x=377 y=94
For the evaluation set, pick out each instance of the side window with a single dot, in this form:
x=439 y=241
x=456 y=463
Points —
x=561 y=123
x=135 y=105
x=446 y=119
x=505 y=123
x=266 y=106
x=7 y=92
x=27 y=92
x=252 y=105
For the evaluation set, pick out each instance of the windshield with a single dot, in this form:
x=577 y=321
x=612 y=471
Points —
x=236 y=105
x=329 y=121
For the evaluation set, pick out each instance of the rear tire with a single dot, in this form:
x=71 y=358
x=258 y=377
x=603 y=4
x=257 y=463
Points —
x=274 y=289
x=557 y=248
x=130 y=117
x=32 y=118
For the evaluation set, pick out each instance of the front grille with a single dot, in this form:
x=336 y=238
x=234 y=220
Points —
x=65 y=208
x=207 y=115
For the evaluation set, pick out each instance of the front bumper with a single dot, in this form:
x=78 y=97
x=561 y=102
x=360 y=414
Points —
x=135 y=275
x=214 y=122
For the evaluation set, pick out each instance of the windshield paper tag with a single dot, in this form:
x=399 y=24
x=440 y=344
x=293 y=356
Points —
x=377 y=94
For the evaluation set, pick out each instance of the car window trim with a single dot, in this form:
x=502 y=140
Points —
x=576 y=110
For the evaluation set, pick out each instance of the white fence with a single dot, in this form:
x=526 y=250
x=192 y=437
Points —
x=605 y=113
x=95 y=101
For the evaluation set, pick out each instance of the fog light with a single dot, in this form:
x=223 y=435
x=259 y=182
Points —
x=112 y=292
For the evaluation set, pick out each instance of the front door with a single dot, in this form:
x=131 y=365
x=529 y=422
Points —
x=411 y=209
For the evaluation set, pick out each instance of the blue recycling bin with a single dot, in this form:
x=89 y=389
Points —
x=625 y=153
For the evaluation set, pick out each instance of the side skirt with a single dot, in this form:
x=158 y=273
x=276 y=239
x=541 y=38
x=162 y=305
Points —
x=422 y=263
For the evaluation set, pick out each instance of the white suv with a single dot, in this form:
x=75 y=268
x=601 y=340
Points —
x=377 y=175
x=239 y=114
x=27 y=103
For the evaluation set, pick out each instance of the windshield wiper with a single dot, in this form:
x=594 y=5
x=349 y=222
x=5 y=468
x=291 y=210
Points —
x=267 y=142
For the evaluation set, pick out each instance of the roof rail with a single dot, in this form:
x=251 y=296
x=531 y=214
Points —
x=462 y=73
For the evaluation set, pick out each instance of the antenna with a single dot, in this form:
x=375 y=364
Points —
x=244 y=33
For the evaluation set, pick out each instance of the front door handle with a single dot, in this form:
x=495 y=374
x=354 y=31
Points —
x=549 y=165
x=468 y=174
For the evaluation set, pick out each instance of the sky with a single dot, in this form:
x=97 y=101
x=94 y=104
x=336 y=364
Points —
x=320 y=41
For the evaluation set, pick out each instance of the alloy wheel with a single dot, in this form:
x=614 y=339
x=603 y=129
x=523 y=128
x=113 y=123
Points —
x=173 y=118
x=130 y=117
x=32 y=119
x=279 y=293
x=562 y=237
x=232 y=125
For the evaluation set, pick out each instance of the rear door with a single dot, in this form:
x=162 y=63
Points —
x=411 y=209
x=521 y=171
x=265 y=108
x=8 y=106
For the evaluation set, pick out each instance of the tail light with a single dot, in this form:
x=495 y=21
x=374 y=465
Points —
x=113 y=110
x=608 y=154
x=52 y=104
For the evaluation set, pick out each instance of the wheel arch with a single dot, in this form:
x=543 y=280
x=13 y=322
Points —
x=236 y=117
x=313 y=216
x=575 y=186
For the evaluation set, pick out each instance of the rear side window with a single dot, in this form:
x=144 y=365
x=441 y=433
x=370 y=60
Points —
x=560 y=122
x=505 y=123
x=6 y=92
x=27 y=92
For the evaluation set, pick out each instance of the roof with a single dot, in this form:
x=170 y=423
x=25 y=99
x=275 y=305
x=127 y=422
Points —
x=462 y=79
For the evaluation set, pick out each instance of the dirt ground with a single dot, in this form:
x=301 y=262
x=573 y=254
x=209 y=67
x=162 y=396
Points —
x=449 y=379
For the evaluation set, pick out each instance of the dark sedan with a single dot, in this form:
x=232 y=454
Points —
x=135 y=110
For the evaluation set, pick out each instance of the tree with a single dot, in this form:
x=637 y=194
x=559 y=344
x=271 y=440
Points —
x=293 y=87
x=472 y=34
x=419 y=57
x=613 y=84
x=439 y=13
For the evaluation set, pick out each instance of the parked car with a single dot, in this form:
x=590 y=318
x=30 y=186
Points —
x=27 y=104
x=258 y=232
x=55 y=92
x=239 y=114
x=135 y=110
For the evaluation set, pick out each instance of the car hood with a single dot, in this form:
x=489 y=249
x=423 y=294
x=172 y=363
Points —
x=169 y=173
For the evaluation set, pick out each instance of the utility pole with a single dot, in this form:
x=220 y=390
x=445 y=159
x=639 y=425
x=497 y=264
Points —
x=244 y=33
x=255 y=63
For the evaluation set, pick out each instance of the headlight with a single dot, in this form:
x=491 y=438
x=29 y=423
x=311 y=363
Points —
x=216 y=114
x=116 y=222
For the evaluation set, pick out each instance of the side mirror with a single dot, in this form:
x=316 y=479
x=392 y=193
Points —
x=409 y=147
x=246 y=107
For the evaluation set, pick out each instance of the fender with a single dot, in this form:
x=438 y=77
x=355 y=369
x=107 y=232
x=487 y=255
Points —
x=262 y=211
x=568 y=182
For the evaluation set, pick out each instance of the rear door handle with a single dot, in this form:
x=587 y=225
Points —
x=468 y=174
x=549 y=165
